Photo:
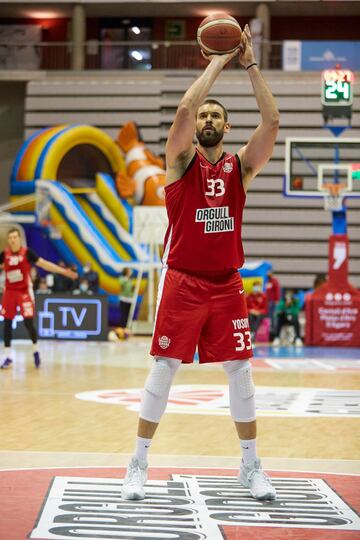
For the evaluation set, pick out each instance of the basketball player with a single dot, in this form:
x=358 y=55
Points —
x=201 y=300
x=16 y=260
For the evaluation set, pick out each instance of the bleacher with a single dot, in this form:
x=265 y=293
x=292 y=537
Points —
x=291 y=233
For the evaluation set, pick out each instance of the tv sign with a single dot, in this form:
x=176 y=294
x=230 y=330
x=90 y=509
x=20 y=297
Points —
x=68 y=317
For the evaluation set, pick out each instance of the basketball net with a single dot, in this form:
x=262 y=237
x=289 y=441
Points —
x=333 y=197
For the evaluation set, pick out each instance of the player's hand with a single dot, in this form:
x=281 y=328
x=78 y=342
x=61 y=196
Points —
x=70 y=273
x=246 y=56
x=223 y=58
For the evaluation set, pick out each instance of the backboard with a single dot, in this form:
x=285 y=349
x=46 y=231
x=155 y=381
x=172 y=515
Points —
x=312 y=164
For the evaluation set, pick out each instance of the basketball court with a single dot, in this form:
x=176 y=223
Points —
x=68 y=431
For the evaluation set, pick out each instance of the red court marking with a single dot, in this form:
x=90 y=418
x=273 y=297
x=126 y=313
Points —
x=23 y=492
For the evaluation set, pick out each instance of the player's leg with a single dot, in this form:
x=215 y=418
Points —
x=242 y=408
x=226 y=336
x=8 y=311
x=27 y=309
x=30 y=327
x=153 y=405
x=7 y=361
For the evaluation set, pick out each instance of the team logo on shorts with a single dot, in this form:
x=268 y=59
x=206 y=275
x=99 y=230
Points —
x=164 y=342
x=227 y=167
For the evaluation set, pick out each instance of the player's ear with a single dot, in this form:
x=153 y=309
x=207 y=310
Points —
x=227 y=127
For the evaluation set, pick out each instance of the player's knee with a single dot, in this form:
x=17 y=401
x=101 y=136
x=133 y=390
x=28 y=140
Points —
x=240 y=378
x=241 y=391
x=161 y=375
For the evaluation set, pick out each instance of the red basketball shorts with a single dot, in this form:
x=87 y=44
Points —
x=210 y=314
x=13 y=299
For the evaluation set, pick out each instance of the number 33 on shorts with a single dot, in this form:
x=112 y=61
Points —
x=243 y=340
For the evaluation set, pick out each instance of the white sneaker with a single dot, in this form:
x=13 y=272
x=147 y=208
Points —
x=298 y=342
x=252 y=476
x=134 y=481
x=276 y=342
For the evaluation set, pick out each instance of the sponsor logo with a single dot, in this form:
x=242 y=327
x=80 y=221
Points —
x=189 y=506
x=164 y=342
x=227 y=167
x=281 y=401
x=215 y=219
x=241 y=292
x=338 y=297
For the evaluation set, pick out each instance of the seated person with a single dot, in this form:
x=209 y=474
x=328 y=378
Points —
x=257 y=305
x=92 y=278
x=83 y=287
x=43 y=287
x=62 y=284
x=287 y=313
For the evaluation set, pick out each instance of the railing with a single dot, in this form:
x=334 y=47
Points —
x=119 y=55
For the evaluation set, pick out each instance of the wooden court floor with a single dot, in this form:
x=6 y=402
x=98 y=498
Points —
x=43 y=419
x=67 y=431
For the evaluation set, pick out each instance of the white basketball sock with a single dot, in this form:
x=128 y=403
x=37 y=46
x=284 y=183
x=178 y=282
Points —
x=248 y=448
x=35 y=347
x=7 y=352
x=142 y=448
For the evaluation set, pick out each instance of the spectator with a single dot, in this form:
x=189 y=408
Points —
x=257 y=305
x=125 y=297
x=92 y=277
x=319 y=280
x=273 y=295
x=287 y=313
x=43 y=287
x=63 y=284
x=83 y=287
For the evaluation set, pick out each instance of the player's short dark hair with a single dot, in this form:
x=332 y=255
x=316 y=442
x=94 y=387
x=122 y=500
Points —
x=215 y=102
x=14 y=229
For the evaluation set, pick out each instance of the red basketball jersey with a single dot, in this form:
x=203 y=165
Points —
x=205 y=209
x=17 y=270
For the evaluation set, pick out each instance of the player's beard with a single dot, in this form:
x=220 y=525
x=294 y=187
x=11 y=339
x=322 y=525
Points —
x=209 y=138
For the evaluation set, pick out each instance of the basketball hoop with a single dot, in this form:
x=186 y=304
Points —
x=333 y=196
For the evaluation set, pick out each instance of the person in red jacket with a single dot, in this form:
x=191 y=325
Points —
x=257 y=305
x=273 y=295
x=16 y=261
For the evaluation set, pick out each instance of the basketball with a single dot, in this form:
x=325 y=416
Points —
x=219 y=34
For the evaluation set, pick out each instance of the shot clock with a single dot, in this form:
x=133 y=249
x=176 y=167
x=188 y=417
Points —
x=337 y=87
x=337 y=93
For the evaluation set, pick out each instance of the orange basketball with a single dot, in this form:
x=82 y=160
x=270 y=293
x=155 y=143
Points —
x=219 y=34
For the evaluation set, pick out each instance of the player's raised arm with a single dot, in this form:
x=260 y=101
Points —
x=179 y=147
x=55 y=268
x=259 y=148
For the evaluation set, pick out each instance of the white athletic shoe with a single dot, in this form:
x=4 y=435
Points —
x=298 y=342
x=134 y=481
x=276 y=342
x=252 y=476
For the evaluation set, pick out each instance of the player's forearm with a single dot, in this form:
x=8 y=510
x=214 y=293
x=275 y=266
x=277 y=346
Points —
x=50 y=267
x=198 y=91
x=264 y=98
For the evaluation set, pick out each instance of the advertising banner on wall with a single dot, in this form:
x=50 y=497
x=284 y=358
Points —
x=320 y=55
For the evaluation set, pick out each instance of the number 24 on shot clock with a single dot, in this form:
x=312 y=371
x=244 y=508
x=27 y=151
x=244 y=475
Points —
x=337 y=87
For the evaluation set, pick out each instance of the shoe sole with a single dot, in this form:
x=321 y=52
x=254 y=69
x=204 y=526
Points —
x=266 y=497
x=132 y=497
